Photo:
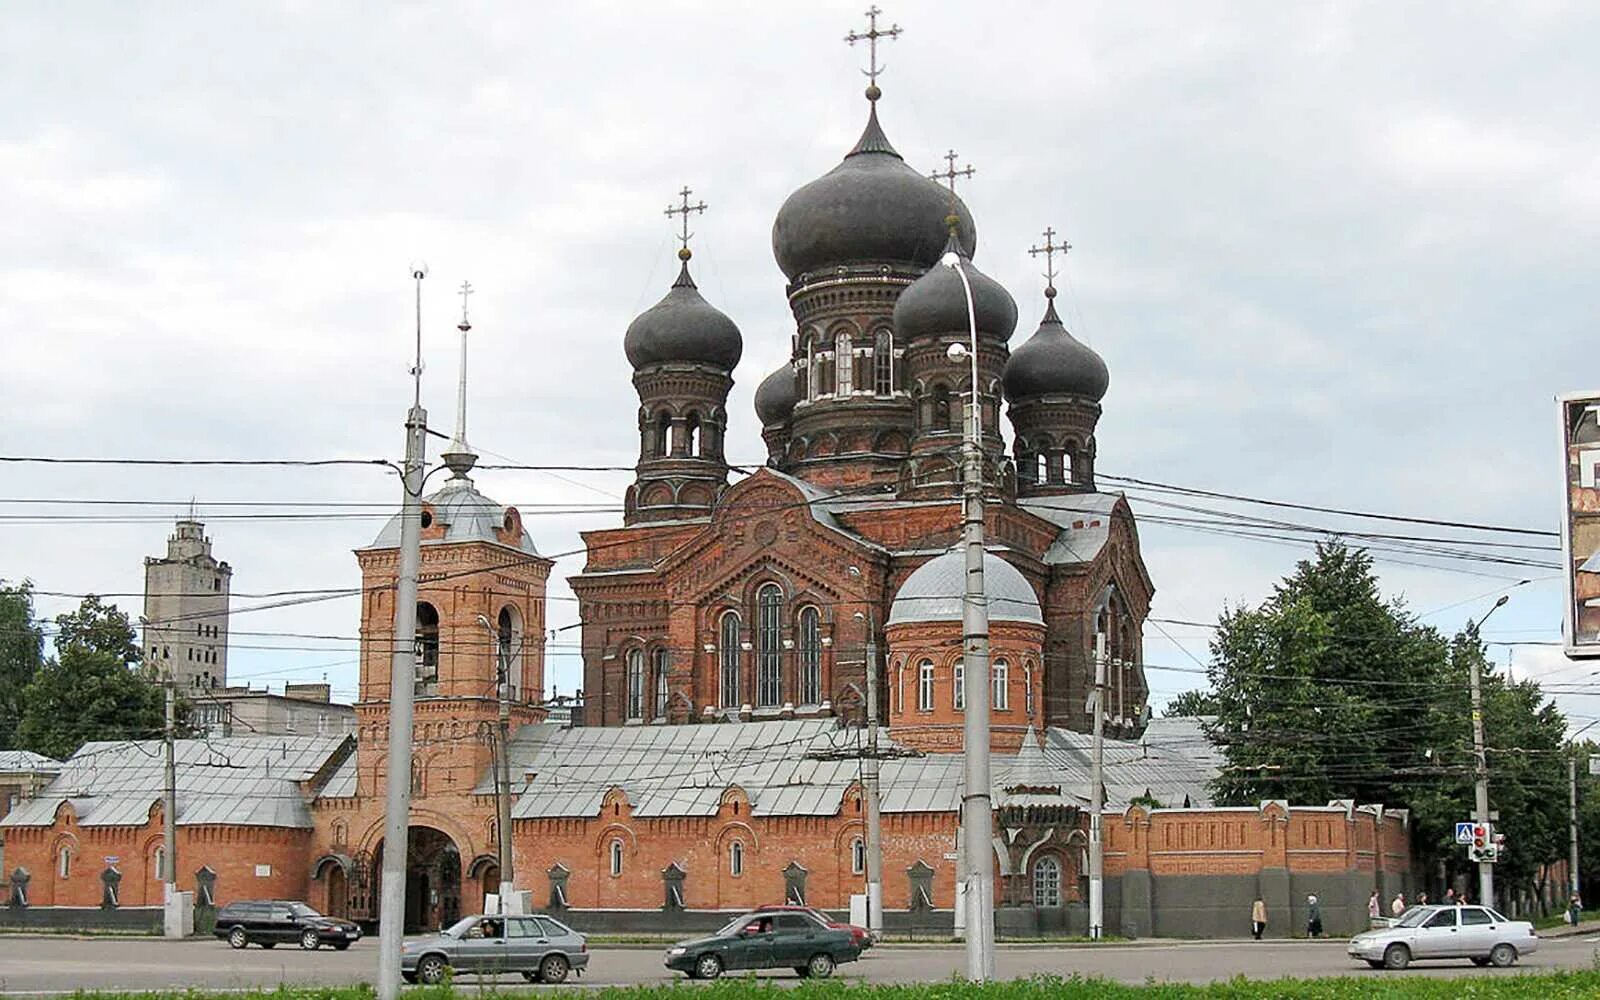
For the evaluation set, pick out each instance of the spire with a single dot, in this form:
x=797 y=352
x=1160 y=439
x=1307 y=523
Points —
x=460 y=458
x=872 y=138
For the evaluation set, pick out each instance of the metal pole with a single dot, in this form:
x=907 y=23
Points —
x=402 y=681
x=977 y=815
x=169 y=799
x=1097 y=804
x=1481 y=766
x=869 y=781
x=502 y=783
x=1572 y=824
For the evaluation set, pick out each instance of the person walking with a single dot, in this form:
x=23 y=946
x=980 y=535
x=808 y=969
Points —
x=1450 y=897
x=1374 y=908
x=1574 y=911
x=1399 y=905
x=1258 y=918
x=1313 y=917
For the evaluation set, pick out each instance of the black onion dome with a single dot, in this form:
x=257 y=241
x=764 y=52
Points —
x=776 y=396
x=936 y=303
x=1053 y=362
x=872 y=208
x=683 y=326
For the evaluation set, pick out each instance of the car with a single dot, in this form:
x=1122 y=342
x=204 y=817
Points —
x=267 y=922
x=765 y=939
x=1478 y=933
x=540 y=947
x=863 y=937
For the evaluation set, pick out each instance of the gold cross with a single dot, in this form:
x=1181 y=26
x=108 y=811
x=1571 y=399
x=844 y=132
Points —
x=950 y=172
x=871 y=36
x=684 y=210
x=466 y=290
x=1050 y=249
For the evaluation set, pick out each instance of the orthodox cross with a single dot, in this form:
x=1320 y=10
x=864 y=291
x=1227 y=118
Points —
x=871 y=36
x=1050 y=249
x=466 y=290
x=950 y=173
x=684 y=210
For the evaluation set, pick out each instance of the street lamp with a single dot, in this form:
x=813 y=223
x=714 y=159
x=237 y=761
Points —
x=1481 y=760
x=869 y=772
x=977 y=822
x=502 y=759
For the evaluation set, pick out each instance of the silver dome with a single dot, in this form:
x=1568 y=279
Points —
x=467 y=516
x=933 y=592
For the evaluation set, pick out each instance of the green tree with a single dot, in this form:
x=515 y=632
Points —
x=1191 y=703
x=21 y=652
x=91 y=689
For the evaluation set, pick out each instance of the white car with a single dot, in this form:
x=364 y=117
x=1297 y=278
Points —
x=1428 y=932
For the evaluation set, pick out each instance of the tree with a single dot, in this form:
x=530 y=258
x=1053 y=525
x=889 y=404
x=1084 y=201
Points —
x=91 y=689
x=1191 y=703
x=21 y=652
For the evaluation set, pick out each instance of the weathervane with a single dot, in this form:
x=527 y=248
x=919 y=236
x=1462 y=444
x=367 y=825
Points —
x=684 y=210
x=871 y=36
x=950 y=173
x=466 y=290
x=1050 y=249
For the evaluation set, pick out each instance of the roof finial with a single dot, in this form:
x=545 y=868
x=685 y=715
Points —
x=1050 y=249
x=459 y=458
x=949 y=175
x=684 y=209
x=871 y=36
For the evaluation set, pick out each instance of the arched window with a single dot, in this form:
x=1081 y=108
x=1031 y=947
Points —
x=419 y=778
x=64 y=862
x=663 y=434
x=427 y=669
x=1042 y=476
x=844 y=363
x=810 y=657
x=1068 y=459
x=508 y=643
x=999 y=700
x=691 y=434
x=616 y=858
x=736 y=859
x=769 y=648
x=728 y=660
x=959 y=688
x=883 y=364
x=1047 y=881
x=660 y=669
x=1027 y=690
x=925 y=686
x=858 y=856
x=635 y=684
x=158 y=863
x=816 y=385
x=941 y=409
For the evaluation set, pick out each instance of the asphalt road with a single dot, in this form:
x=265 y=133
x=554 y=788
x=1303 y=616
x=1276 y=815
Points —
x=53 y=965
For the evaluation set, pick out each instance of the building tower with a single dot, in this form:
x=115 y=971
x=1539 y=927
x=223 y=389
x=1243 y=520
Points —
x=186 y=609
x=1055 y=384
x=683 y=351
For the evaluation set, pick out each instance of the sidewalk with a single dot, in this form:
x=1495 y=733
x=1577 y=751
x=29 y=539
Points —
x=1567 y=930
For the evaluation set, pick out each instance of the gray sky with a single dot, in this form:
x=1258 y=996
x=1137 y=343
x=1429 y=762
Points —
x=1337 y=253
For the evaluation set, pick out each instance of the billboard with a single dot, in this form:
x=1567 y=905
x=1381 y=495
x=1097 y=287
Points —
x=1580 y=521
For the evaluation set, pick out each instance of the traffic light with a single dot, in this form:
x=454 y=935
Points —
x=1481 y=847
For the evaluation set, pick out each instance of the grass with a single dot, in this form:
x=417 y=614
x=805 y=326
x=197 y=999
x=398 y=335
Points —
x=1543 y=986
x=1560 y=919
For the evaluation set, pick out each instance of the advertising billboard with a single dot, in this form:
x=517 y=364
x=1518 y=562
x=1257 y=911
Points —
x=1580 y=522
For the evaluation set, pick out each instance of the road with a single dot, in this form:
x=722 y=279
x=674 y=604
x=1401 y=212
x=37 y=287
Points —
x=49 y=965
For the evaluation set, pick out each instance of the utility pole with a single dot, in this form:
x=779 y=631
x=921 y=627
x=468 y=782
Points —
x=1572 y=823
x=1097 y=803
x=869 y=782
x=502 y=762
x=402 y=686
x=169 y=811
x=1481 y=762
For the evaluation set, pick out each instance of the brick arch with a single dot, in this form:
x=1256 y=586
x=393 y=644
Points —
x=733 y=827
x=655 y=495
x=615 y=831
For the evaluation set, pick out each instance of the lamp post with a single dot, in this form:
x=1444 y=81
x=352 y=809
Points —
x=869 y=778
x=502 y=760
x=1481 y=761
x=1097 y=800
x=977 y=822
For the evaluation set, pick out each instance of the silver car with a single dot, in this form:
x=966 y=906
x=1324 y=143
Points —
x=1428 y=932
x=541 y=948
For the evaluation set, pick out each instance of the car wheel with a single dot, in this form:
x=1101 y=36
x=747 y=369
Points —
x=308 y=940
x=820 y=966
x=431 y=970
x=707 y=967
x=554 y=968
x=237 y=938
x=1396 y=956
x=1502 y=956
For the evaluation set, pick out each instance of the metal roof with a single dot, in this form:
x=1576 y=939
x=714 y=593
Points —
x=27 y=760
x=467 y=516
x=242 y=781
x=934 y=592
x=1172 y=773
x=1084 y=520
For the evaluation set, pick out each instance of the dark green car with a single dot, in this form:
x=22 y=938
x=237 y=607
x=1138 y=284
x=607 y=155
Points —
x=783 y=940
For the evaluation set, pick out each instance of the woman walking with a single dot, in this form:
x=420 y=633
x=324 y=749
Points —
x=1258 y=918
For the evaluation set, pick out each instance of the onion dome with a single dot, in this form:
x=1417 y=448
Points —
x=683 y=327
x=936 y=303
x=935 y=591
x=466 y=516
x=1053 y=362
x=871 y=208
x=776 y=396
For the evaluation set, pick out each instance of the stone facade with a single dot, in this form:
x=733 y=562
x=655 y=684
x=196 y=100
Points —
x=186 y=610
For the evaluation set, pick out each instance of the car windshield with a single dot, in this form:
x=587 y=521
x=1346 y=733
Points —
x=460 y=927
x=735 y=924
x=302 y=910
x=1413 y=917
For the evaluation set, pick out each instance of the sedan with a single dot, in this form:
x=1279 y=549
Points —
x=541 y=948
x=268 y=922
x=1477 y=933
x=863 y=936
x=786 y=939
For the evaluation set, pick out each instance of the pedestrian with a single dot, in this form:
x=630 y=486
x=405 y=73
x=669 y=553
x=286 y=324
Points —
x=1461 y=899
x=1313 y=918
x=1399 y=905
x=1258 y=918
x=1374 y=908
x=1450 y=896
x=1422 y=899
x=1574 y=910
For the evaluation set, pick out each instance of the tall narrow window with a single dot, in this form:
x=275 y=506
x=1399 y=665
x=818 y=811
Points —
x=815 y=363
x=663 y=435
x=810 y=657
x=1067 y=458
x=508 y=644
x=691 y=435
x=736 y=859
x=1047 y=882
x=961 y=686
x=883 y=364
x=1002 y=676
x=858 y=856
x=1042 y=475
x=941 y=408
x=728 y=660
x=925 y=686
x=769 y=648
x=64 y=864
x=635 y=684
x=1027 y=690
x=844 y=363
x=427 y=669
x=616 y=858
x=659 y=668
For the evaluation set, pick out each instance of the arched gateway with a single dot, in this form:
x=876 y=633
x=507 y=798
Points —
x=433 y=880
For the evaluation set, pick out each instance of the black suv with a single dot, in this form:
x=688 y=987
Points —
x=269 y=921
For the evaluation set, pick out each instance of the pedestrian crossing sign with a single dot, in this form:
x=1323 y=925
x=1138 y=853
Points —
x=1463 y=833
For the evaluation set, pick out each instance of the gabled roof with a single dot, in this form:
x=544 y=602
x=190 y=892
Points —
x=1084 y=520
x=28 y=761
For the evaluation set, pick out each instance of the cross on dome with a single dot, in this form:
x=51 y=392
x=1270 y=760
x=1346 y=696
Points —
x=950 y=173
x=871 y=36
x=1050 y=249
x=684 y=210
